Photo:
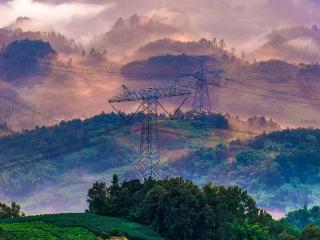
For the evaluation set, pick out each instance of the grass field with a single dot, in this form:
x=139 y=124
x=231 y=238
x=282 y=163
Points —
x=74 y=223
x=42 y=231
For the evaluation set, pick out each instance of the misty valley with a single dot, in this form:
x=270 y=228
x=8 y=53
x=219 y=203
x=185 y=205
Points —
x=177 y=121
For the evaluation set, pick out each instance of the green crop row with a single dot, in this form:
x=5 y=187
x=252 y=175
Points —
x=42 y=231
x=93 y=223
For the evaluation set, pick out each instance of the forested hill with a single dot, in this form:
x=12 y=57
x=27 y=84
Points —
x=22 y=59
x=279 y=169
x=271 y=71
x=282 y=167
x=303 y=217
x=40 y=156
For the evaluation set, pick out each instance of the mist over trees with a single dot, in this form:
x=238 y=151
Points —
x=23 y=58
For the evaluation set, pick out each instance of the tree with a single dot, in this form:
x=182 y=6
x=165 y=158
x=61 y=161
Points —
x=222 y=44
x=97 y=197
x=208 y=224
x=180 y=210
x=245 y=231
x=311 y=232
x=154 y=206
x=243 y=56
x=15 y=210
x=214 y=41
x=10 y=211
x=115 y=187
x=92 y=52
x=286 y=236
x=22 y=58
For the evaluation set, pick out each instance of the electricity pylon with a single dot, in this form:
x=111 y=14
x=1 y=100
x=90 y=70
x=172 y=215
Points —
x=201 y=101
x=148 y=164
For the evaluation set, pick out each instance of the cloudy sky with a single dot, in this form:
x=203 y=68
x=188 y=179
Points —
x=239 y=21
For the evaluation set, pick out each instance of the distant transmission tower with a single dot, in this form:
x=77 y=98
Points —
x=201 y=102
x=148 y=164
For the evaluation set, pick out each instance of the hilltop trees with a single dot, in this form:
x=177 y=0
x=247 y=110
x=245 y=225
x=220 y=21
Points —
x=24 y=58
x=219 y=43
x=178 y=209
x=10 y=211
x=303 y=217
x=312 y=232
x=97 y=196
x=222 y=44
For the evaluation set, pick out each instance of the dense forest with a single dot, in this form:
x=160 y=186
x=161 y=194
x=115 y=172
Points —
x=304 y=217
x=180 y=210
x=283 y=162
x=21 y=59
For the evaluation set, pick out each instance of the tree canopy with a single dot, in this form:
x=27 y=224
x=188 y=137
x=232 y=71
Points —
x=179 y=209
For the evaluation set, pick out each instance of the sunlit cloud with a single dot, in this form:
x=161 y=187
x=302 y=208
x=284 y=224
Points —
x=243 y=23
x=54 y=14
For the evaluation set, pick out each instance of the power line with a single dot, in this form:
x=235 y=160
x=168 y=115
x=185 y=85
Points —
x=151 y=76
x=272 y=97
x=272 y=90
x=104 y=73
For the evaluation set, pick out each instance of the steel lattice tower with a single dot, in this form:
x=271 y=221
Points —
x=200 y=86
x=148 y=164
x=201 y=102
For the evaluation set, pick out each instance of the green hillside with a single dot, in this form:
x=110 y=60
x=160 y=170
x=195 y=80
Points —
x=73 y=226
x=279 y=169
x=94 y=145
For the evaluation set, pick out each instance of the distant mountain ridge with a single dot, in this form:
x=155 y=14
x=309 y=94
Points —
x=16 y=31
x=169 y=46
x=127 y=35
x=296 y=44
x=28 y=24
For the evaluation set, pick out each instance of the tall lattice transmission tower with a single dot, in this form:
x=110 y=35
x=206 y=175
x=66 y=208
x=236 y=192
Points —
x=148 y=164
x=200 y=85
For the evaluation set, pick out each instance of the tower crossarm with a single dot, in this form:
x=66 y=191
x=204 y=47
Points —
x=148 y=164
x=148 y=94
